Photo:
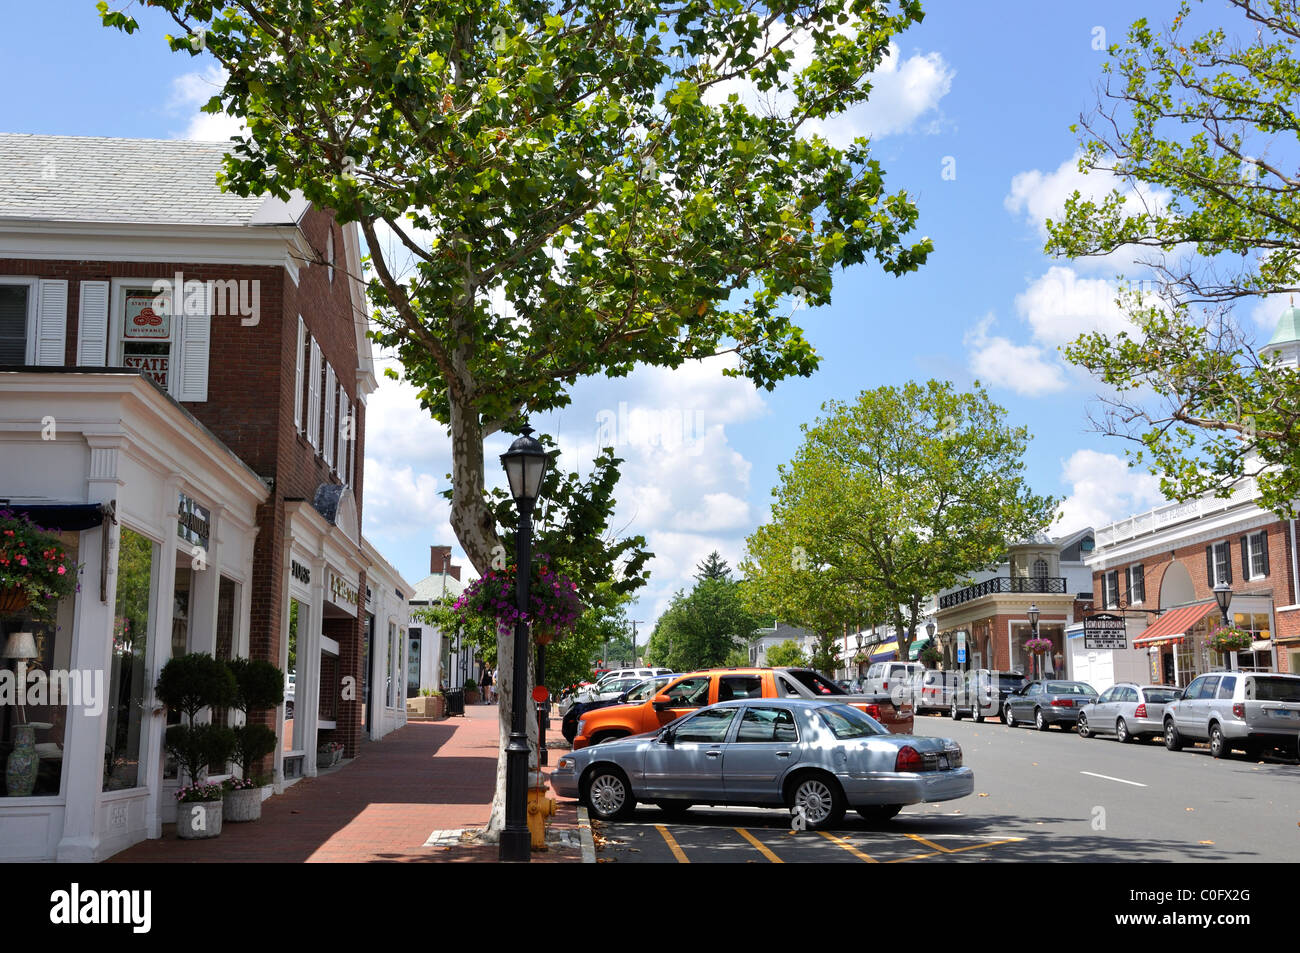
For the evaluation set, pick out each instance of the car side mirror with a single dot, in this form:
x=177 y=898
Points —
x=661 y=702
x=666 y=736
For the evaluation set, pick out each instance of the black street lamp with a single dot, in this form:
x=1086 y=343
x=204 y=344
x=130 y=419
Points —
x=525 y=465
x=1223 y=596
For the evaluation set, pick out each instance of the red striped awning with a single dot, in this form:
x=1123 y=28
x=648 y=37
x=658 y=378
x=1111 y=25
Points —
x=1171 y=628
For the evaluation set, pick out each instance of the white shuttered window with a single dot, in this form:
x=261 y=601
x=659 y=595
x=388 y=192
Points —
x=331 y=434
x=51 y=322
x=299 y=362
x=92 y=324
x=314 y=395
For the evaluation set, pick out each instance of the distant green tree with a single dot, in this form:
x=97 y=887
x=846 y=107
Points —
x=713 y=567
x=787 y=654
x=702 y=629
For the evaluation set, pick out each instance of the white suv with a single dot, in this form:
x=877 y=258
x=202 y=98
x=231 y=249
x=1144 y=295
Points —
x=889 y=676
x=1247 y=710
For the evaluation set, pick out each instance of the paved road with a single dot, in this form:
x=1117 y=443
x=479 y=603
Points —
x=1039 y=796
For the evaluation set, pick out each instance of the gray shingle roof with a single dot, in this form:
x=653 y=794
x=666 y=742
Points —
x=143 y=181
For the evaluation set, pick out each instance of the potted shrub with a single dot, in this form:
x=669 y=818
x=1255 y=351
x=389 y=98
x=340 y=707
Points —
x=188 y=684
x=259 y=686
x=471 y=692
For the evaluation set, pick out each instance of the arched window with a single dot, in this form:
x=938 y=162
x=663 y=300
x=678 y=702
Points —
x=1040 y=568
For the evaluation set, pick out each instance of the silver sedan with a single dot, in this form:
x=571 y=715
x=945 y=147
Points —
x=1128 y=710
x=815 y=757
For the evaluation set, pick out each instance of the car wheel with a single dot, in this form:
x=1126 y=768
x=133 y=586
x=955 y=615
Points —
x=1218 y=746
x=819 y=799
x=1084 y=730
x=975 y=715
x=879 y=813
x=608 y=736
x=1039 y=721
x=956 y=715
x=1122 y=733
x=1172 y=741
x=608 y=795
x=1008 y=717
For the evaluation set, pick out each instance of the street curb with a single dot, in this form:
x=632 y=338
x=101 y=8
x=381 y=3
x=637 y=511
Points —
x=584 y=831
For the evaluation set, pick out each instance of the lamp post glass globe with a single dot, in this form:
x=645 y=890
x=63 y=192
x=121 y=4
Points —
x=525 y=465
x=1223 y=596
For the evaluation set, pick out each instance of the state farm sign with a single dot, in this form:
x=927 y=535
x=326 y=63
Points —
x=148 y=316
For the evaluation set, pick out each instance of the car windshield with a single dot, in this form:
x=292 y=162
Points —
x=1276 y=689
x=816 y=683
x=1160 y=696
x=644 y=690
x=1070 y=688
x=847 y=723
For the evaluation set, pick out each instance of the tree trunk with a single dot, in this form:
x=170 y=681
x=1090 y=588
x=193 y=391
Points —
x=475 y=527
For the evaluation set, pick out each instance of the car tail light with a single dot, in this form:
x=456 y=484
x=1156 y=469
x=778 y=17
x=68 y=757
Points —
x=1063 y=703
x=909 y=759
x=1141 y=711
x=884 y=686
x=1238 y=710
x=873 y=711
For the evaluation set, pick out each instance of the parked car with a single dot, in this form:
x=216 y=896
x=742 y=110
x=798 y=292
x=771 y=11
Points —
x=932 y=690
x=1247 y=711
x=982 y=692
x=1127 y=710
x=697 y=689
x=887 y=676
x=638 y=691
x=1047 y=703
x=814 y=756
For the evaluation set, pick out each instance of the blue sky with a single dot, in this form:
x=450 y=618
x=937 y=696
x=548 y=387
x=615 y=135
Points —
x=984 y=92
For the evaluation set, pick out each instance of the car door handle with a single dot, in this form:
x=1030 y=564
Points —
x=715 y=753
x=783 y=754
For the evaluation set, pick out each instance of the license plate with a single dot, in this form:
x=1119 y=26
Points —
x=943 y=762
x=1284 y=713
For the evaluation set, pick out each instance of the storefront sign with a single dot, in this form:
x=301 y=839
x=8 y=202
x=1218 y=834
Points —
x=1104 y=631
x=341 y=591
x=153 y=366
x=300 y=572
x=193 y=521
x=147 y=316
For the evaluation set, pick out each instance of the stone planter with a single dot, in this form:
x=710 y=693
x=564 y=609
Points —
x=198 y=820
x=240 y=806
x=472 y=697
x=427 y=706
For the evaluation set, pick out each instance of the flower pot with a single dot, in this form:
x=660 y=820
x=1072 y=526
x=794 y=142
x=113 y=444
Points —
x=13 y=599
x=243 y=805
x=20 y=769
x=197 y=820
x=472 y=697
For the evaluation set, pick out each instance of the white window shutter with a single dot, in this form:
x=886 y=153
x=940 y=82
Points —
x=51 y=322
x=299 y=359
x=92 y=324
x=331 y=434
x=313 y=401
x=344 y=410
x=191 y=373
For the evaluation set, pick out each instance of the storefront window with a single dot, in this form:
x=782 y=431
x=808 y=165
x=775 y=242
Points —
x=292 y=724
x=180 y=644
x=126 y=689
x=147 y=333
x=1256 y=623
x=43 y=690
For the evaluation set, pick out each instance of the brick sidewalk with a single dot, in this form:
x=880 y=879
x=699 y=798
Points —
x=381 y=806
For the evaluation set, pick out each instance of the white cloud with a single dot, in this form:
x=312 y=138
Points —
x=1103 y=489
x=998 y=361
x=1059 y=306
x=193 y=90
x=1037 y=196
x=904 y=90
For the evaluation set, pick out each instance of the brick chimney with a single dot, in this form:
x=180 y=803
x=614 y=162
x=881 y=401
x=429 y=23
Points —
x=440 y=561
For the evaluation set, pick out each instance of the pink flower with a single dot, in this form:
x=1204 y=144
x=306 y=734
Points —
x=62 y=571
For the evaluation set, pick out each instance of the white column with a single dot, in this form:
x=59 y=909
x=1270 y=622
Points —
x=307 y=693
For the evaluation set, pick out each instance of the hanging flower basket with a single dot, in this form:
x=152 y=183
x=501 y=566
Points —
x=553 y=605
x=35 y=569
x=1038 y=646
x=1229 y=638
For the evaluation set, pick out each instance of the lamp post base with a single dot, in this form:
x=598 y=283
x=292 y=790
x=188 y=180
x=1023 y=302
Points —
x=515 y=847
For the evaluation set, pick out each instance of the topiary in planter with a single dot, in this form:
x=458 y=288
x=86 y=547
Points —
x=188 y=684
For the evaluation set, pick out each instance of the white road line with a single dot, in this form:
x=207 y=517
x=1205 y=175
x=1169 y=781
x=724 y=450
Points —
x=1136 y=784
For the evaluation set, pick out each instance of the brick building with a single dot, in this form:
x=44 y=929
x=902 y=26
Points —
x=183 y=383
x=1159 y=570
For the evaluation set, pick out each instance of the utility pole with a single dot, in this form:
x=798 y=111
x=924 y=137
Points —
x=635 y=623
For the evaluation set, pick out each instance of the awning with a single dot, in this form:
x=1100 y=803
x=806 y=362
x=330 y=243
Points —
x=884 y=652
x=914 y=652
x=1171 y=628
x=73 y=517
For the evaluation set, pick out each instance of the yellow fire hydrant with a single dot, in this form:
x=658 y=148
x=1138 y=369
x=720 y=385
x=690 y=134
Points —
x=541 y=807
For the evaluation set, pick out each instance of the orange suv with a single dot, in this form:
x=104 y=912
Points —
x=707 y=687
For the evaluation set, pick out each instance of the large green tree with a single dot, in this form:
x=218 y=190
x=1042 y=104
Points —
x=891 y=498
x=585 y=163
x=1201 y=121
x=702 y=628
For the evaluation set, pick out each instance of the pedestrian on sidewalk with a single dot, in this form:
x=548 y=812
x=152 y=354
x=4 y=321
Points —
x=487 y=686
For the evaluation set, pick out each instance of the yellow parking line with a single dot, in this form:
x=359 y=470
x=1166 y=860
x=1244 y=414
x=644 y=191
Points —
x=849 y=847
x=672 y=844
x=762 y=849
x=1009 y=840
x=933 y=846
